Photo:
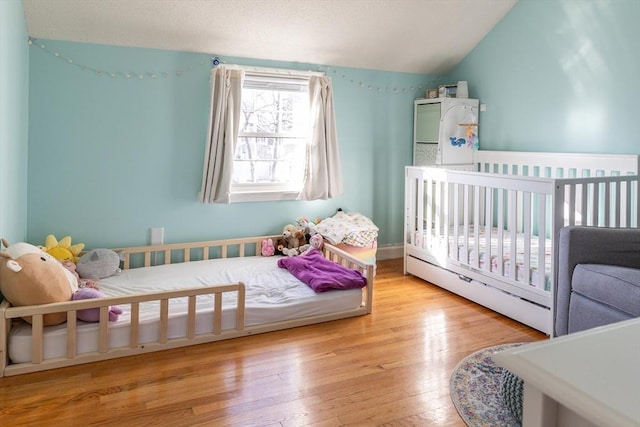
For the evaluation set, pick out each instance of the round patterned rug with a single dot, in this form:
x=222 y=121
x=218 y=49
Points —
x=476 y=390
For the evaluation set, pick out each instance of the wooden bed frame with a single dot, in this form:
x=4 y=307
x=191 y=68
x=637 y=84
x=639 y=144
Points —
x=140 y=256
x=516 y=194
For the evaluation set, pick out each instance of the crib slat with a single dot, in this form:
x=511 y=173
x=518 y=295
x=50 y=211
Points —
x=488 y=222
x=583 y=205
x=500 y=224
x=187 y=254
x=595 y=206
x=167 y=256
x=439 y=205
x=423 y=235
x=147 y=259
x=572 y=204
x=476 y=225
x=527 y=230
x=542 y=234
x=465 y=230
x=513 y=232
x=616 y=205
x=456 y=221
x=606 y=204
x=446 y=204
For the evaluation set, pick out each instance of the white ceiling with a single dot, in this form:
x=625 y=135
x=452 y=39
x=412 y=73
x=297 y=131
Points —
x=416 y=36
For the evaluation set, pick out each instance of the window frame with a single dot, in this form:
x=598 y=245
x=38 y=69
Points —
x=254 y=192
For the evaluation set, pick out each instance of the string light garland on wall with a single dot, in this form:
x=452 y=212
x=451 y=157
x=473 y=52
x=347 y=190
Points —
x=214 y=62
x=129 y=75
x=359 y=83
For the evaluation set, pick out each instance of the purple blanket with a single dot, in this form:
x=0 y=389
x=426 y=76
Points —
x=322 y=274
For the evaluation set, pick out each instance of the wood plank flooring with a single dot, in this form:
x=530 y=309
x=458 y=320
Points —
x=390 y=368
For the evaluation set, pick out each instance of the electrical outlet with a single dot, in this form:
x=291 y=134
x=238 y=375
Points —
x=157 y=235
x=483 y=107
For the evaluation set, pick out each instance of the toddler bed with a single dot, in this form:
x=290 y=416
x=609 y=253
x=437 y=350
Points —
x=490 y=234
x=177 y=295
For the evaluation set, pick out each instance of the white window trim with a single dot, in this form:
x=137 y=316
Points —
x=259 y=192
x=262 y=196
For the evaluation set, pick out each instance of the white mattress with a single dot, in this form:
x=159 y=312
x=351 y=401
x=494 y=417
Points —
x=272 y=295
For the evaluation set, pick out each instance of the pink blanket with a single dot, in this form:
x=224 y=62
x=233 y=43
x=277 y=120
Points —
x=322 y=274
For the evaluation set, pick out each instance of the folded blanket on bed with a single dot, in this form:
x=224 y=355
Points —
x=321 y=274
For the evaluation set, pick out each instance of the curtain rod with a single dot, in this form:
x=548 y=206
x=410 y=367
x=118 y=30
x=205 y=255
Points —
x=278 y=71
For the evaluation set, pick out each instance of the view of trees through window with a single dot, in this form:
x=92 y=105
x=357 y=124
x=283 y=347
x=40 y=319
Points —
x=272 y=136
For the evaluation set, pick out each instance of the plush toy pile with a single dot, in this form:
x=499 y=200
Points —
x=296 y=239
x=31 y=275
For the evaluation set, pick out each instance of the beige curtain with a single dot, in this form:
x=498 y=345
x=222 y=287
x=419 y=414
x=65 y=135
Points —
x=224 y=121
x=323 y=175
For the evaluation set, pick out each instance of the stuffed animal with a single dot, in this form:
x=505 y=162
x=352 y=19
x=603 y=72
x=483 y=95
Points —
x=293 y=236
x=279 y=246
x=98 y=264
x=30 y=276
x=290 y=251
x=315 y=242
x=307 y=227
x=93 y=314
x=63 y=250
x=82 y=283
x=267 y=248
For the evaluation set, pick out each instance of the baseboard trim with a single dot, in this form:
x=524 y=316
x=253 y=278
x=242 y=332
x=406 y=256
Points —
x=390 y=252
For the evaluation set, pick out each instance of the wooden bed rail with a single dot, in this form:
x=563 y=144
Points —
x=145 y=256
x=37 y=312
x=192 y=251
x=209 y=249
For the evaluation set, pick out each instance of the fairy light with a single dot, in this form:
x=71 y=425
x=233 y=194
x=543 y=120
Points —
x=215 y=61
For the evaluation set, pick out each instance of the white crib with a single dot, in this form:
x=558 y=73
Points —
x=490 y=234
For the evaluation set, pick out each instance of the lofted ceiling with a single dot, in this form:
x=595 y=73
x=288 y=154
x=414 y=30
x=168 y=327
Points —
x=415 y=36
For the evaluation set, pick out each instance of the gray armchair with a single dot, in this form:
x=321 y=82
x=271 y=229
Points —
x=598 y=277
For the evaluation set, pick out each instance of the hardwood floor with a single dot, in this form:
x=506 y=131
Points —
x=389 y=368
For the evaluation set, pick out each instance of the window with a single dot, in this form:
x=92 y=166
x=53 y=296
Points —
x=269 y=159
x=286 y=146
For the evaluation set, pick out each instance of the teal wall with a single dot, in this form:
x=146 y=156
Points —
x=559 y=76
x=111 y=157
x=14 y=124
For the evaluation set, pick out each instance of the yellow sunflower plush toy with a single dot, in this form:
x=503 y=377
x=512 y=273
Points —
x=63 y=250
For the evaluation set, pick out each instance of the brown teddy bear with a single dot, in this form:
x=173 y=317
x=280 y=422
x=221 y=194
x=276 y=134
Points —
x=293 y=236
x=30 y=276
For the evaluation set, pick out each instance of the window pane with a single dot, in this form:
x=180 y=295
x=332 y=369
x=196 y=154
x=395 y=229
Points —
x=271 y=146
x=269 y=160
x=268 y=111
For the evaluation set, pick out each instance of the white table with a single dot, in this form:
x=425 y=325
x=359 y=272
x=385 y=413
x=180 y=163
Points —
x=590 y=378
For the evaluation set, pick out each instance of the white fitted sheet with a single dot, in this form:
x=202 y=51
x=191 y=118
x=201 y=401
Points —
x=272 y=295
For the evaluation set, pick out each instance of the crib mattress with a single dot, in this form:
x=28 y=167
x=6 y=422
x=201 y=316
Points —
x=272 y=295
x=481 y=255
